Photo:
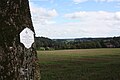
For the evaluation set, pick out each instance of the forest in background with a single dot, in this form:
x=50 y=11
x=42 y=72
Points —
x=44 y=43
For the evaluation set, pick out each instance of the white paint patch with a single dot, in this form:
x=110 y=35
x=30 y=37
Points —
x=27 y=37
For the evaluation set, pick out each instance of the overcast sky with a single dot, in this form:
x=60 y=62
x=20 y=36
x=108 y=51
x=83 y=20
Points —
x=75 y=18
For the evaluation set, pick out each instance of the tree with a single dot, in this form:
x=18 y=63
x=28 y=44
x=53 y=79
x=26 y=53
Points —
x=16 y=61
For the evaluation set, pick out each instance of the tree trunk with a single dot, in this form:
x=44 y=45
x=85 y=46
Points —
x=16 y=61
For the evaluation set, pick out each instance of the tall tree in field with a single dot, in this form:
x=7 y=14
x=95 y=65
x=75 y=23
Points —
x=17 y=62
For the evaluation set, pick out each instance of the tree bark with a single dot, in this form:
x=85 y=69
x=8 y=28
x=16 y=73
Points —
x=16 y=61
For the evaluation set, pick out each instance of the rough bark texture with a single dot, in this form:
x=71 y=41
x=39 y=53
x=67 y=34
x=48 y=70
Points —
x=16 y=62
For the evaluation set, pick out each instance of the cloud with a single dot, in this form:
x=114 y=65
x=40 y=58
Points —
x=91 y=24
x=81 y=1
x=91 y=14
x=117 y=14
x=42 y=15
x=78 y=24
x=96 y=23
x=41 y=18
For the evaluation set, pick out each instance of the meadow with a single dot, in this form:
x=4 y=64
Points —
x=80 y=64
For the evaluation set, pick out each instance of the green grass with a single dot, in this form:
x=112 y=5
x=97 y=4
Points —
x=81 y=64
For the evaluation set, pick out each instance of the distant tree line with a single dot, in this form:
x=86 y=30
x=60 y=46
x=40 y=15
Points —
x=43 y=43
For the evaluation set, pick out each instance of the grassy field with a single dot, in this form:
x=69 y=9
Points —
x=81 y=64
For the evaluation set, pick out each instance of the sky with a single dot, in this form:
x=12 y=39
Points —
x=57 y=19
